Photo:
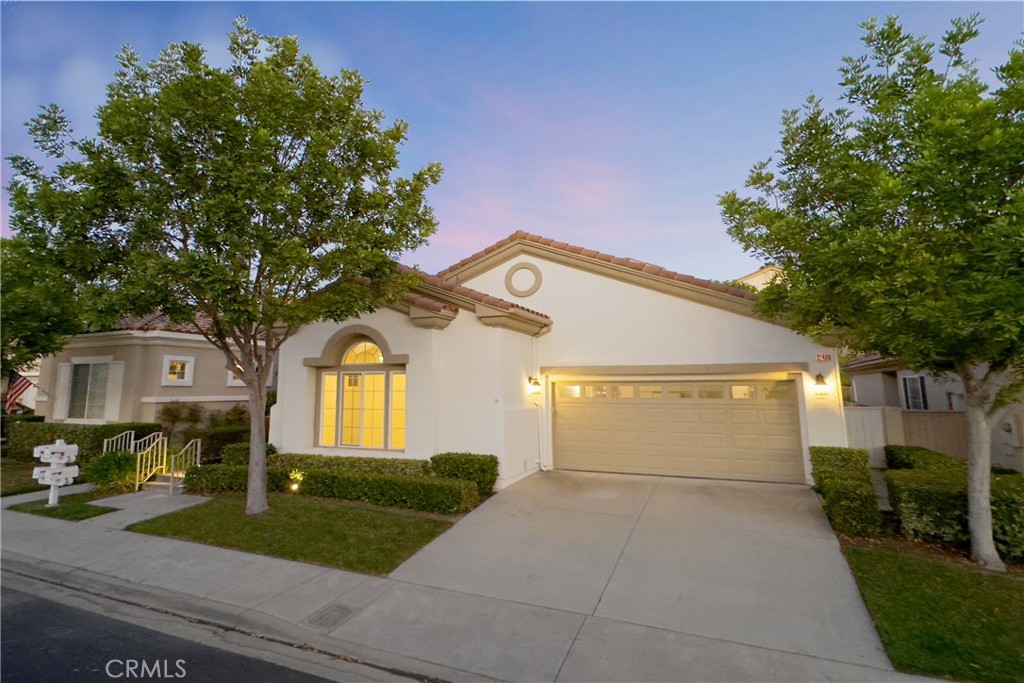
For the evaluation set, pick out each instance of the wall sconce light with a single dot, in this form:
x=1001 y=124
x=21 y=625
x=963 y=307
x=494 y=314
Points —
x=535 y=388
x=820 y=385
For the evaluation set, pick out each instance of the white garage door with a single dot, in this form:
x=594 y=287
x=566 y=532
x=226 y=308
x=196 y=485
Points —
x=724 y=429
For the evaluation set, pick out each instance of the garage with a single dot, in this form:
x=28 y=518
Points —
x=730 y=429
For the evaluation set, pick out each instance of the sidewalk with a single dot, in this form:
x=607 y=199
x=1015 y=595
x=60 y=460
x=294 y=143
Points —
x=396 y=627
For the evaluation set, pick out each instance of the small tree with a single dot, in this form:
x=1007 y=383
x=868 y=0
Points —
x=897 y=223
x=251 y=200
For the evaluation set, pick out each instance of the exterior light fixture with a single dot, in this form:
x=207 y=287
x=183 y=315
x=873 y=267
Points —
x=819 y=380
x=820 y=386
x=535 y=386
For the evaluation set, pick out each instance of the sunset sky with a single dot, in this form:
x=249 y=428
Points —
x=614 y=126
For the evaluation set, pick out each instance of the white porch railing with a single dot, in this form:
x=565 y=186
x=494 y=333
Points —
x=188 y=457
x=151 y=458
x=125 y=441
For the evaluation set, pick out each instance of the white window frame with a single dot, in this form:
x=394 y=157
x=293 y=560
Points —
x=920 y=401
x=190 y=371
x=112 y=395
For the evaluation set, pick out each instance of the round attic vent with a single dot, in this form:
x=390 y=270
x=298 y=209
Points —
x=522 y=279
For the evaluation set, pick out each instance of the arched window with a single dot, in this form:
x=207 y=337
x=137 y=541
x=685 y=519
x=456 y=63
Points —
x=362 y=404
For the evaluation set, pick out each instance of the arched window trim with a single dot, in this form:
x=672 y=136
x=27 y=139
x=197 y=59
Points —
x=339 y=343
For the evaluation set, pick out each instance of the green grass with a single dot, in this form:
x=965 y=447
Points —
x=315 y=530
x=16 y=476
x=72 y=507
x=942 y=616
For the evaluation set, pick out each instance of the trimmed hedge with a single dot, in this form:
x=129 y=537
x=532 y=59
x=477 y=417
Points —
x=429 y=494
x=917 y=457
x=238 y=453
x=398 y=467
x=932 y=506
x=842 y=478
x=24 y=436
x=215 y=439
x=6 y=419
x=479 y=469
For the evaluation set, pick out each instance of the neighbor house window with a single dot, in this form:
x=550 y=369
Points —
x=88 y=396
x=362 y=404
x=914 y=395
x=178 y=371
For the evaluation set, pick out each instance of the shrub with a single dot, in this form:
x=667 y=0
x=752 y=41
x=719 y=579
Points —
x=177 y=414
x=480 y=469
x=238 y=453
x=236 y=415
x=932 y=506
x=399 y=467
x=429 y=494
x=25 y=436
x=112 y=472
x=216 y=438
x=230 y=479
x=917 y=457
x=848 y=498
x=6 y=419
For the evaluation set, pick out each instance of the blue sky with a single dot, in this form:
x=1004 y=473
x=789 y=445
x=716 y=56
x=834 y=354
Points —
x=610 y=125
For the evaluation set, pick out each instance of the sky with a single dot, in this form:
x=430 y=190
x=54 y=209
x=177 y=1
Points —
x=613 y=126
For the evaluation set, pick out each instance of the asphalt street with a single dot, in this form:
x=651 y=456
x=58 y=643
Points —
x=46 y=641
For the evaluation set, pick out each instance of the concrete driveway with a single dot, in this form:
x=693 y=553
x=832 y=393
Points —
x=720 y=580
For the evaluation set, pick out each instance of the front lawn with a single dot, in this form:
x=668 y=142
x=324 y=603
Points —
x=316 y=530
x=16 y=475
x=939 y=614
x=72 y=507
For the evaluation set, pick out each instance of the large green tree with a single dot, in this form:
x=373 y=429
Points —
x=37 y=315
x=897 y=220
x=252 y=199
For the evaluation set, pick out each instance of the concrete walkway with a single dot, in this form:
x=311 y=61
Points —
x=561 y=577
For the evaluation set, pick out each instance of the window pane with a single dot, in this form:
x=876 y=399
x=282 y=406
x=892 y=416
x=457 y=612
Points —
x=329 y=410
x=679 y=391
x=398 y=410
x=351 y=411
x=743 y=391
x=622 y=391
x=650 y=391
x=373 y=411
x=79 y=391
x=95 y=405
x=364 y=353
x=568 y=391
x=177 y=370
x=595 y=391
x=711 y=391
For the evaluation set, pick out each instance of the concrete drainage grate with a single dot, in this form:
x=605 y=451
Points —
x=330 y=617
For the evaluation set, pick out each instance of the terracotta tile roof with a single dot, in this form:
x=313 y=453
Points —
x=157 y=322
x=633 y=264
x=472 y=294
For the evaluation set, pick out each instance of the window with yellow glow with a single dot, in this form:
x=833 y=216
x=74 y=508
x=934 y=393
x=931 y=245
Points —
x=362 y=404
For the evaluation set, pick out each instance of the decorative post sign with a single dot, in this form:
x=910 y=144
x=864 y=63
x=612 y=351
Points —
x=61 y=472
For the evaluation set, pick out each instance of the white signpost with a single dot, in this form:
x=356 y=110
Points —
x=61 y=472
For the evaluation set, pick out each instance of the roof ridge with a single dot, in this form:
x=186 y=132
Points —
x=631 y=263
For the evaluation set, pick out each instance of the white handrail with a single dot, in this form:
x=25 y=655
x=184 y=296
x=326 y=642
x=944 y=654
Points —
x=188 y=457
x=152 y=458
x=125 y=441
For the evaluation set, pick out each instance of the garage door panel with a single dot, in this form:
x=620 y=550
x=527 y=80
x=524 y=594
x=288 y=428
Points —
x=737 y=430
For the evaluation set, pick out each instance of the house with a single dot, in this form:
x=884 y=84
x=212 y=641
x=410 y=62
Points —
x=761 y=277
x=553 y=356
x=128 y=373
x=920 y=409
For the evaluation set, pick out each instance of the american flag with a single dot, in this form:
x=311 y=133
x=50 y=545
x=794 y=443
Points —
x=15 y=388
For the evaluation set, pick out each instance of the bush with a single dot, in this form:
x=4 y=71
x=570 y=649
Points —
x=238 y=453
x=848 y=498
x=399 y=467
x=216 y=438
x=480 y=469
x=917 y=457
x=932 y=506
x=25 y=436
x=6 y=419
x=230 y=479
x=429 y=494
x=112 y=472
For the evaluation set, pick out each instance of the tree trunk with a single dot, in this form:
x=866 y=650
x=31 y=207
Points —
x=979 y=485
x=256 y=494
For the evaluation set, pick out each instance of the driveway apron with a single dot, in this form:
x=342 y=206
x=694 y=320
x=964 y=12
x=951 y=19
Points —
x=736 y=563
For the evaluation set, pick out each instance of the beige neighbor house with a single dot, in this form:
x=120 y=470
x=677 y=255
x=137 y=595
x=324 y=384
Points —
x=130 y=372
x=893 y=404
x=552 y=356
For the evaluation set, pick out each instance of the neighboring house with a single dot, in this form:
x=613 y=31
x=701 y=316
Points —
x=603 y=363
x=761 y=277
x=923 y=411
x=130 y=372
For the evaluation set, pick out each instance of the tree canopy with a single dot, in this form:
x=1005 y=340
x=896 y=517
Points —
x=897 y=218
x=251 y=199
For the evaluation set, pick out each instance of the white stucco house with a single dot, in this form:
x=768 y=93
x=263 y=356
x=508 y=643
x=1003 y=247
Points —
x=552 y=356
